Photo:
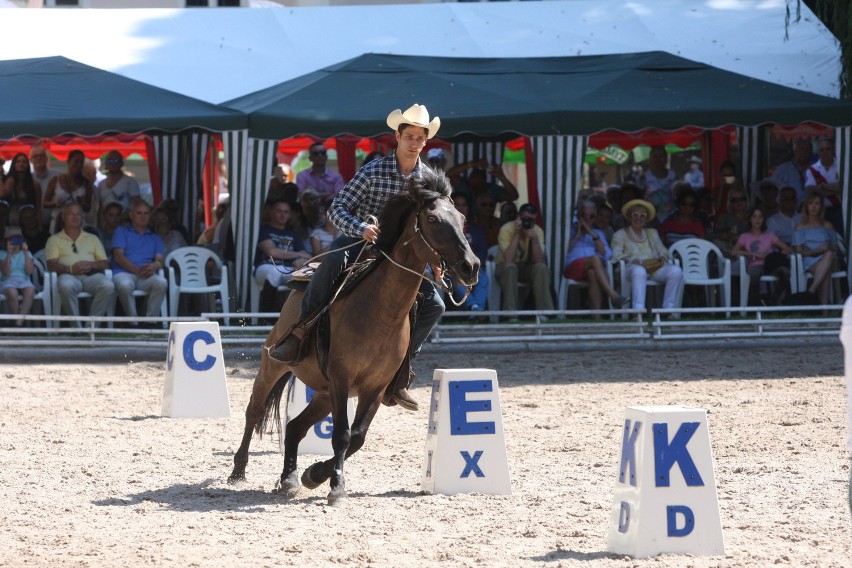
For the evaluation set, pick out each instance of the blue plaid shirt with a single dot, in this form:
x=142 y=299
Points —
x=367 y=193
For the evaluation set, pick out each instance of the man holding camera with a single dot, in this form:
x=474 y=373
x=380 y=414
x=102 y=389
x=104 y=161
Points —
x=522 y=259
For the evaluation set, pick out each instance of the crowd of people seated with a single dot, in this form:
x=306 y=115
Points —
x=101 y=238
x=794 y=211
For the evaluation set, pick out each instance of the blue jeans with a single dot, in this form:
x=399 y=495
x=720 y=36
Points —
x=321 y=287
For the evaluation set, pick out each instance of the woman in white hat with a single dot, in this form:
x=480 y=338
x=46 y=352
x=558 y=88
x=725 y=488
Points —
x=363 y=197
x=644 y=255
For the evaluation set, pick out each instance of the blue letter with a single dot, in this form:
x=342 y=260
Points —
x=471 y=464
x=189 y=347
x=628 y=452
x=624 y=517
x=324 y=428
x=688 y=520
x=665 y=454
x=460 y=406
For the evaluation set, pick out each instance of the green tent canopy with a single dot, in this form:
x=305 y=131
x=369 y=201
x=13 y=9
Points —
x=50 y=96
x=507 y=97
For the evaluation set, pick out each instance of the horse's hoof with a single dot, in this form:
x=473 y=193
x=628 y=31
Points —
x=307 y=480
x=236 y=478
x=289 y=487
x=336 y=497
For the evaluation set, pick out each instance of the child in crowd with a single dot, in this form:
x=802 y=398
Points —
x=16 y=266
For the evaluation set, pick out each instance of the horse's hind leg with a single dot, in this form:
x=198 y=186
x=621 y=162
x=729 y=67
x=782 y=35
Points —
x=295 y=431
x=264 y=382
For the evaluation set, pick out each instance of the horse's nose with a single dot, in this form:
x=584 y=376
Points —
x=468 y=271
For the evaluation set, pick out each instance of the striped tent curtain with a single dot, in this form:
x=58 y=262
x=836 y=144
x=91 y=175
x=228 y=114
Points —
x=468 y=151
x=180 y=161
x=752 y=140
x=559 y=174
x=250 y=163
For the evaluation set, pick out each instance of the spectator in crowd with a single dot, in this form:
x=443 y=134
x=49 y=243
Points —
x=310 y=216
x=318 y=177
x=162 y=225
x=42 y=174
x=823 y=179
x=645 y=256
x=323 y=236
x=483 y=217
x=728 y=182
x=16 y=266
x=437 y=159
x=761 y=249
x=68 y=187
x=627 y=193
x=508 y=213
x=659 y=183
x=733 y=223
x=111 y=219
x=137 y=257
x=476 y=183
x=767 y=197
x=207 y=235
x=288 y=192
x=91 y=173
x=171 y=208
x=4 y=214
x=20 y=188
x=793 y=172
x=79 y=260
x=706 y=209
x=521 y=258
x=694 y=177
x=588 y=253
x=783 y=223
x=475 y=301
x=603 y=221
x=683 y=224
x=35 y=235
x=117 y=186
x=816 y=240
x=279 y=252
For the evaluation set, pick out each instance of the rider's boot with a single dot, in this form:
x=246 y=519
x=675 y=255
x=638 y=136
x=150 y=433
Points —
x=287 y=351
x=402 y=397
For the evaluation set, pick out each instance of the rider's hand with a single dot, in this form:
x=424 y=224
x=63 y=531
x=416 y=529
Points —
x=371 y=233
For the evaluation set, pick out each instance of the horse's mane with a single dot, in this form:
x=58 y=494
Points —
x=420 y=190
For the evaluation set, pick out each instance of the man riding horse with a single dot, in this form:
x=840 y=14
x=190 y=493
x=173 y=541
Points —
x=353 y=211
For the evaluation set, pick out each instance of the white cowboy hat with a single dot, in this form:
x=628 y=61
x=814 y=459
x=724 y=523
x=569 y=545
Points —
x=416 y=115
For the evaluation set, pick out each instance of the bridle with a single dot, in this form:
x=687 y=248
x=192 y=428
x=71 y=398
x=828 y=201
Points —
x=443 y=284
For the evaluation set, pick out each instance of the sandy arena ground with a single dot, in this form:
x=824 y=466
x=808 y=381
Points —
x=92 y=476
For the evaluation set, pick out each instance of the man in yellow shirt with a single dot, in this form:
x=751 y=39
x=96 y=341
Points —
x=522 y=259
x=79 y=260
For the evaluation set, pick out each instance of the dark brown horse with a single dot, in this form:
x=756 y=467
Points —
x=369 y=334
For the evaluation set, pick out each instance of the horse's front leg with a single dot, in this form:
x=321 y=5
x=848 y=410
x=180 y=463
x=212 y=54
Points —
x=254 y=413
x=295 y=432
x=340 y=438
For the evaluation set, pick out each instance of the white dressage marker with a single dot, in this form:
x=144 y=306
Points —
x=318 y=439
x=465 y=448
x=195 y=385
x=659 y=508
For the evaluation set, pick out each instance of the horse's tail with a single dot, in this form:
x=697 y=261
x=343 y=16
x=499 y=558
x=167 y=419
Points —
x=272 y=407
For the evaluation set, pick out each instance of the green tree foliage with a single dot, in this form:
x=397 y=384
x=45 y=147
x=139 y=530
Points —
x=837 y=17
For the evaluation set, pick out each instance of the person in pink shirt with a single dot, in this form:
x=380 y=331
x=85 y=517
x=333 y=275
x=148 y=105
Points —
x=761 y=251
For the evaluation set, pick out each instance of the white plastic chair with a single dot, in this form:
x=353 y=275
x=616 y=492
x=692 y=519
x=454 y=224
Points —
x=768 y=279
x=254 y=295
x=694 y=256
x=837 y=278
x=191 y=276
